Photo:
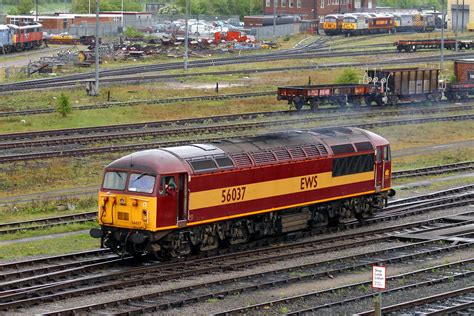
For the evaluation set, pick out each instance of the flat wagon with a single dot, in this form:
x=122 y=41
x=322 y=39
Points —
x=315 y=95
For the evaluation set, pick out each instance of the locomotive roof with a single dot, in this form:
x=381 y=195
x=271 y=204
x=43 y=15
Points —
x=247 y=151
x=4 y=27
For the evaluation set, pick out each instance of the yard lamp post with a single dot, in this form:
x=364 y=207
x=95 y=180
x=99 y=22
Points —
x=441 y=62
x=36 y=10
x=275 y=2
x=96 y=48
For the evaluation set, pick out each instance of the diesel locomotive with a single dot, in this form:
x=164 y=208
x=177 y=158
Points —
x=17 y=38
x=195 y=198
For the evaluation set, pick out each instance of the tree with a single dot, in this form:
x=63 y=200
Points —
x=63 y=105
x=82 y=6
x=349 y=75
x=23 y=7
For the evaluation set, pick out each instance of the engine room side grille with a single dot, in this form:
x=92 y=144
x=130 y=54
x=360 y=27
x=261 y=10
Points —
x=263 y=157
x=242 y=160
x=122 y=216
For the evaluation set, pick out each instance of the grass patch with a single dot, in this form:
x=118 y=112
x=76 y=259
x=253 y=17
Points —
x=433 y=159
x=48 y=247
x=38 y=210
x=49 y=231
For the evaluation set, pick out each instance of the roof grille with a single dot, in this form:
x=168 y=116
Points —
x=282 y=154
x=263 y=157
x=311 y=151
x=322 y=149
x=297 y=152
x=242 y=159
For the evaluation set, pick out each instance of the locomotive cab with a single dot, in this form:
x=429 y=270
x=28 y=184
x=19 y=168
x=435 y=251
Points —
x=137 y=196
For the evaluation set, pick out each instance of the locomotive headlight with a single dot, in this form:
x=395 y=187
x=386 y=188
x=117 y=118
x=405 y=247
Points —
x=145 y=216
x=134 y=202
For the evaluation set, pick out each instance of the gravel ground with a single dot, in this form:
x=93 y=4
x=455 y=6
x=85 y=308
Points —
x=266 y=295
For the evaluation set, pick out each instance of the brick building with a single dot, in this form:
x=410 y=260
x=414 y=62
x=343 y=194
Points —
x=62 y=22
x=314 y=9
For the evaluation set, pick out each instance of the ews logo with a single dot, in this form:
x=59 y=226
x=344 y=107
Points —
x=308 y=183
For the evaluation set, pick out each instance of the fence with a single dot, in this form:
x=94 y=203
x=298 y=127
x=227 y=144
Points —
x=266 y=32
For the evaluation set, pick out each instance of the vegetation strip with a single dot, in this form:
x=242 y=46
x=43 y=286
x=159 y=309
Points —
x=143 y=102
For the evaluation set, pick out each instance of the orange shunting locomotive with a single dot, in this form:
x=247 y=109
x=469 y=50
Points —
x=177 y=200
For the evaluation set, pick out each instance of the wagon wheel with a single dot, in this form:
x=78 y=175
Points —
x=464 y=95
x=393 y=101
x=298 y=102
x=378 y=100
x=368 y=100
x=313 y=104
x=342 y=102
x=356 y=102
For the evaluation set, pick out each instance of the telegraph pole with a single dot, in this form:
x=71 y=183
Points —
x=36 y=10
x=96 y=48
x=457 y=24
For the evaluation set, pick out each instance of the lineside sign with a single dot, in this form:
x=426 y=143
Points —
x=378 y=277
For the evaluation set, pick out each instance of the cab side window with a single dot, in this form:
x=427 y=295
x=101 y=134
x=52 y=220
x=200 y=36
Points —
x=379 y=155
x=167 y=185
x=386 y=153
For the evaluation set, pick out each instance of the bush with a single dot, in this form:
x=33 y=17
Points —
x=64 y=106
x=131 y=32
x=349 y=75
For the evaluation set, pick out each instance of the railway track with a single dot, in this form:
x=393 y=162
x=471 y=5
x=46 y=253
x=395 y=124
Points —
x=168 y=129
x=434 y=170
x=28 y=291
x=15 y=227
x=134 y=75
x=361 y=112
x=164 y=300
x=229 y=127
x=456 y=302
x=140 y=70
x=419 y=279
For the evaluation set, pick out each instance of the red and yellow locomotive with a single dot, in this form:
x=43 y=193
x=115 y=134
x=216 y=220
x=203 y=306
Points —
x=26 y=36
x=172 y=201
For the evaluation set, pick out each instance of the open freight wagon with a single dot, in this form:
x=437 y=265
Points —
x=381 y=86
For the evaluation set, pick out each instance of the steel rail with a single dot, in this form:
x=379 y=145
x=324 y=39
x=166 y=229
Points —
x=426 y=300
x=434 y=170
x=244 y=126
